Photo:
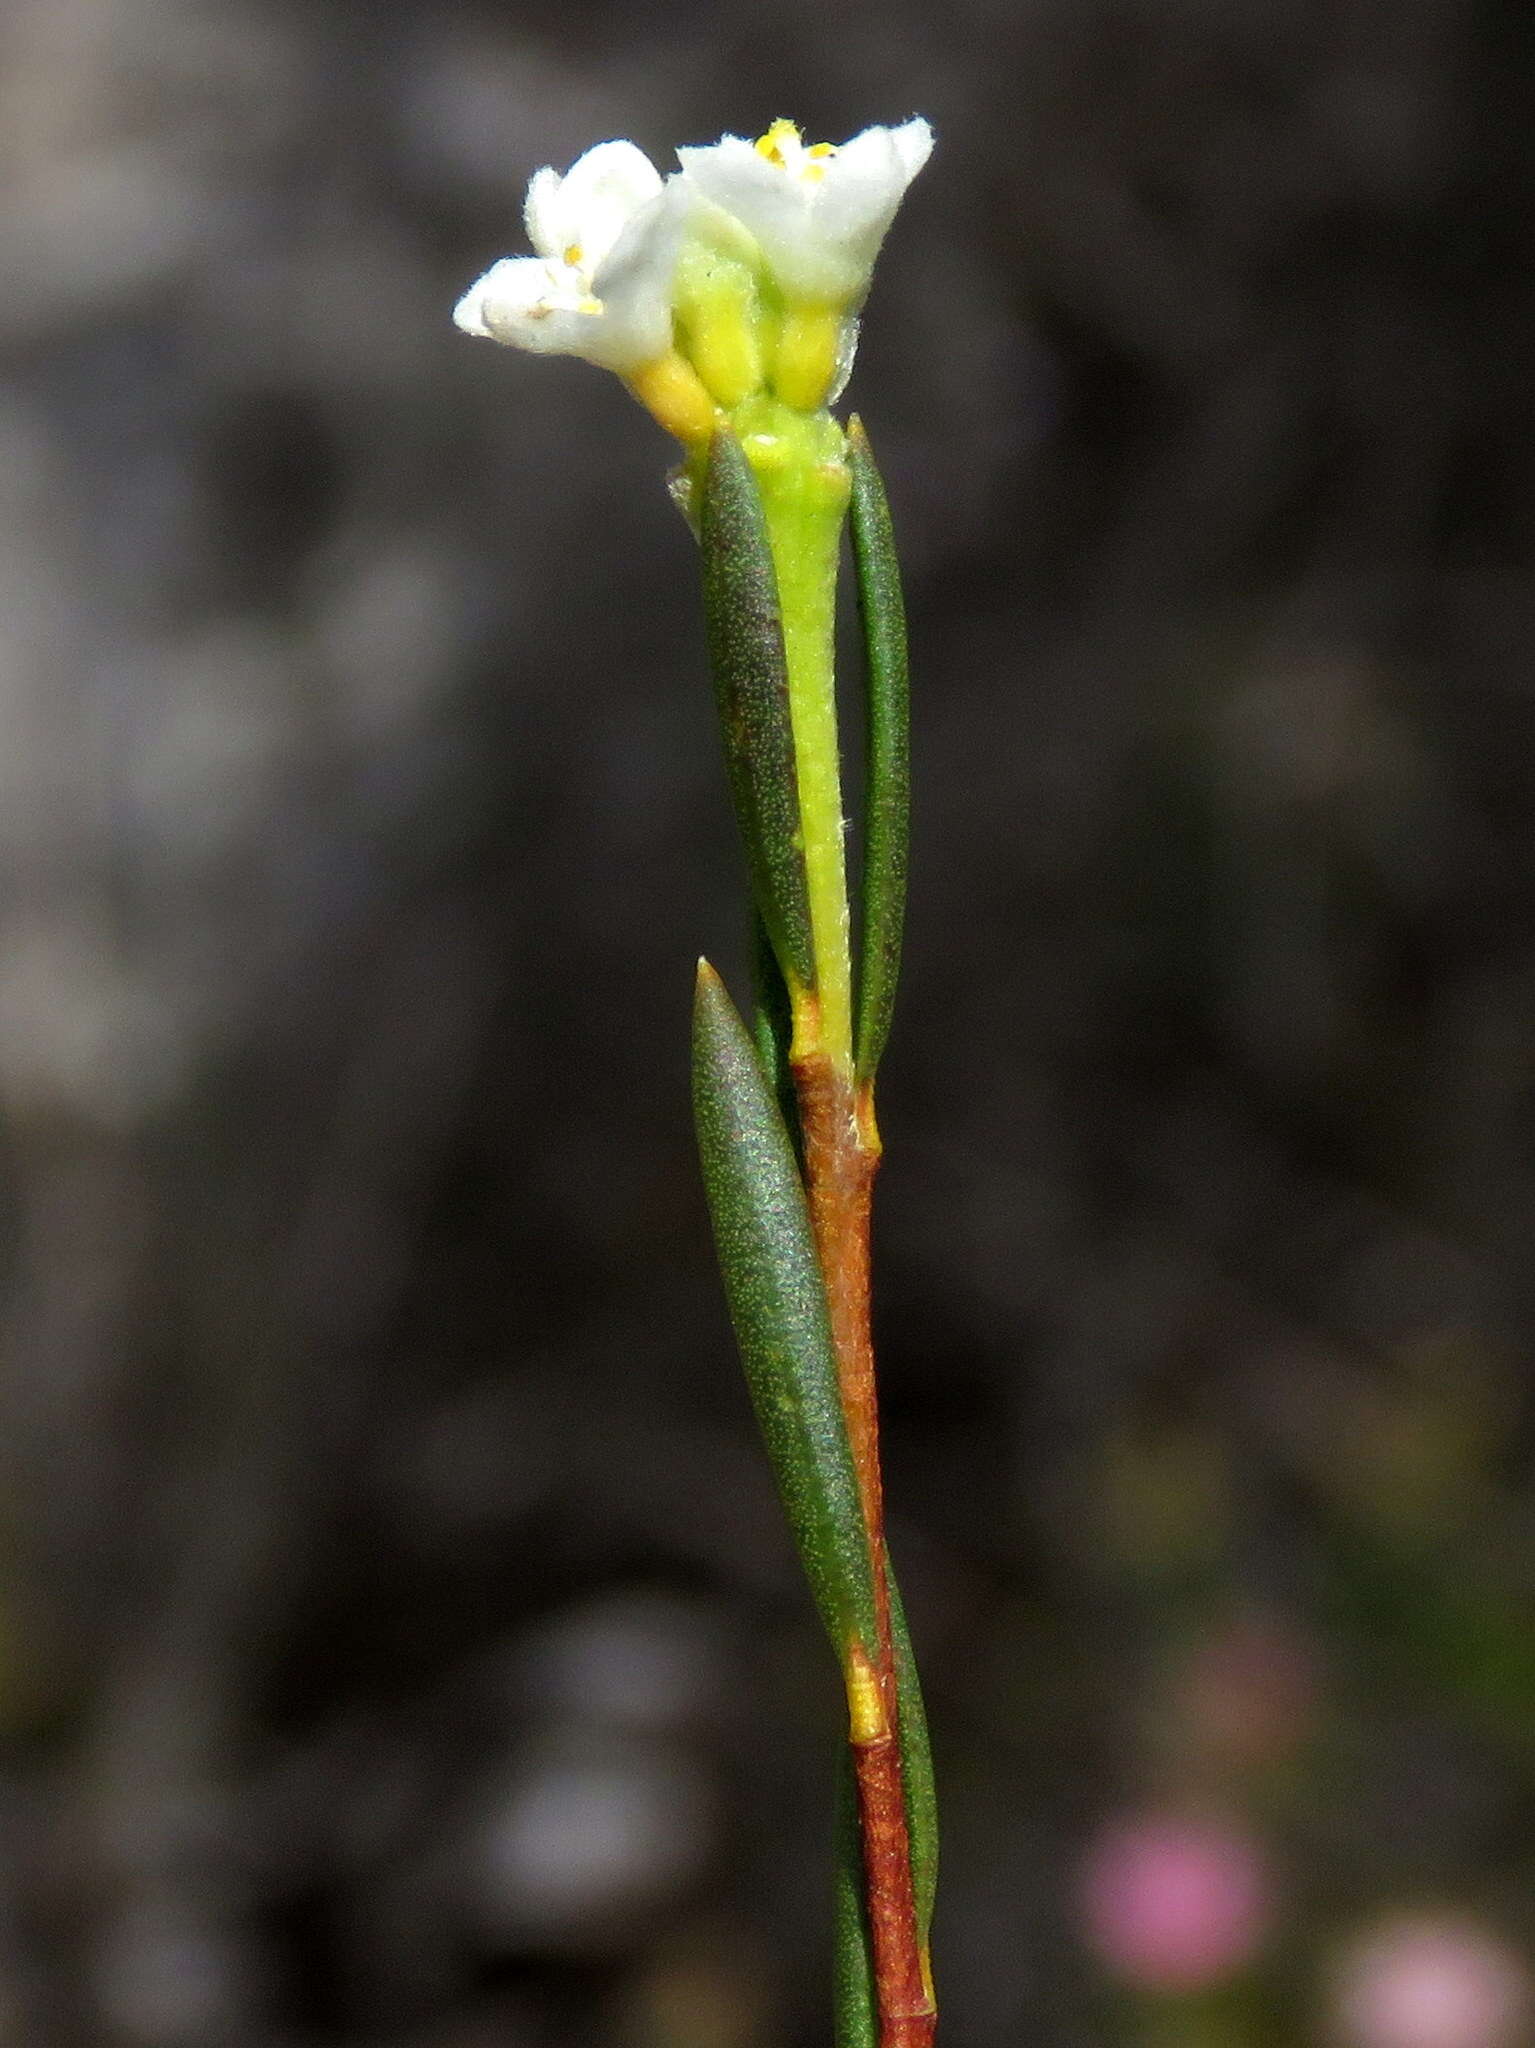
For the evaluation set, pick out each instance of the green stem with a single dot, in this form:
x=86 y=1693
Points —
x=802 y=473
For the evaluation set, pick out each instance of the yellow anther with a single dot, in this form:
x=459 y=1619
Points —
x=573 y=256
x=772 y=144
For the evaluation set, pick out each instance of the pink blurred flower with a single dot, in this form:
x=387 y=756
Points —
x=1173 y=1903
x=1430 y=1980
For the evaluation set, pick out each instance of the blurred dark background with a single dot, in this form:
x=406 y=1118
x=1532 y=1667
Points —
x=398 y=1639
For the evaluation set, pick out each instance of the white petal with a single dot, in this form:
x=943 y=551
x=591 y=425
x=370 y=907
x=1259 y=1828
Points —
x=914 y=140
x=866 y=181
x=620 y=318
x=634 y=283
x=735 y=175
x=507 y=284
x=543 y=215
x=774 y=205
x=820 y=225
x=590 y=206
x=469 y=313
x=732 y=157
x=526 y=303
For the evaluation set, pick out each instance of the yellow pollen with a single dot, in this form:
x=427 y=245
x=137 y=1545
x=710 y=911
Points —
x=573 y=255
x=815 y=161
x=772 y=144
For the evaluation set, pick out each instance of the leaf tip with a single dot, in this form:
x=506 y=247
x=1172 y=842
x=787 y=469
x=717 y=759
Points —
x=711 y=1000
x=723 y=446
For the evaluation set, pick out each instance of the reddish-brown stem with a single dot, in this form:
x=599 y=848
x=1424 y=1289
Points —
x=841 y=1157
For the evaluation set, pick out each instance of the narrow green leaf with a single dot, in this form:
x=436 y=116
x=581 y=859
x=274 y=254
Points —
x=773 y=1030
x=751 y=686
x=772 y=1020
x=855 y=2008
x=916 y=1763
x=888 y=801
x=777 y=1304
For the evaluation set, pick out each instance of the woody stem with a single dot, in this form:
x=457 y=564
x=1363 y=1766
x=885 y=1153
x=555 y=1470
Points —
x=841 y=1158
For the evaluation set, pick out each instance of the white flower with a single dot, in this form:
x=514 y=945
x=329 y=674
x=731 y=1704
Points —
x=819 y=214
x=607 y=235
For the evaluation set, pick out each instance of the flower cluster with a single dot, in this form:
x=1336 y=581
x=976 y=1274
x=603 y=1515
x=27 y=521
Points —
x=742 y=273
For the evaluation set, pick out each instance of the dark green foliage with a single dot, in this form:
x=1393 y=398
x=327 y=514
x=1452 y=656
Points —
x=855 y=2014
x=916 y=1762
x=751 y=684
x=888 y=803
x=773 y=1025
x=777 y=1304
